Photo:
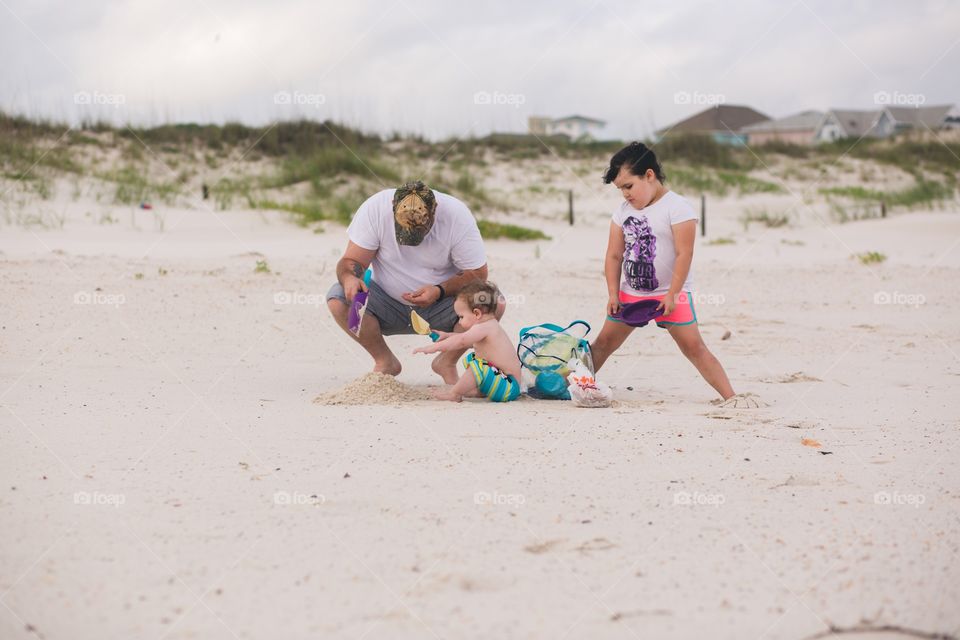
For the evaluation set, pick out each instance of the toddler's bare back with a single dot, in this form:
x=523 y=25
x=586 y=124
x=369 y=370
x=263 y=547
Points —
x=497 y=349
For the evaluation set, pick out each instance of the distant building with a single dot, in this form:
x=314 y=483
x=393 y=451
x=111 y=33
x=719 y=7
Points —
x=850 y=123
x=952 y=121
x=922 y=118
x=808 y=127
x=723 y=122
x=538 y=125
x=574 y=127
x=800 y=128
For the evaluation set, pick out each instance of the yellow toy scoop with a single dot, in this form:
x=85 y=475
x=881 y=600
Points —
x=422 y=327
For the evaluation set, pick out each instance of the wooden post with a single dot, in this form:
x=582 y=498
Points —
x=703 y=215
x=570 y=205
x=883 y=209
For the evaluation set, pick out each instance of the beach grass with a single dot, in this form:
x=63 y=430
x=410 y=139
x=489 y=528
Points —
x=870 y=257
x=923 y=192
x=718 y=182
x=770 y=220
x=494 y=230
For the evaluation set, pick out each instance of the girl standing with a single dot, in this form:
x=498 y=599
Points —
x=648 y=257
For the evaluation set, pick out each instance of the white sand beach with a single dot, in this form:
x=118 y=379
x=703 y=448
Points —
x=166 y=473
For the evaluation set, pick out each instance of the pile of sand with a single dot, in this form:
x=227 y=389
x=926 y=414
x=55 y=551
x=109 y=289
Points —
x=373 y=388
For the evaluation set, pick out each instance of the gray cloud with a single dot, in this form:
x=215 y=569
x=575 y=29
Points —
x=416 y=66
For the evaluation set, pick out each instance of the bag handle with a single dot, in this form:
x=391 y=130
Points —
x=545 y=325
x=554 y=327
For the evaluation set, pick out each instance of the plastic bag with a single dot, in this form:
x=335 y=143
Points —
x=584 y=389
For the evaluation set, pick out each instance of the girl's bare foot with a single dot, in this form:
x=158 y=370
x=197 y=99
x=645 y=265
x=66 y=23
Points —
x=742 y=401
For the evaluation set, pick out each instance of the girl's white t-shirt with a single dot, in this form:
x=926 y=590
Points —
x=649 y=253
x=452 y=245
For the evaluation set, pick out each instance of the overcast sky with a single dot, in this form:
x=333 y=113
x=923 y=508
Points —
x=431 y=66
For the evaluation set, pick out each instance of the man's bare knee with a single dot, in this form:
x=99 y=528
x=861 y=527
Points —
x=337 y=306
x=501 y=307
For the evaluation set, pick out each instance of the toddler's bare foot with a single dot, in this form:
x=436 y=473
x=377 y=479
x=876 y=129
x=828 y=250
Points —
x=447 y=394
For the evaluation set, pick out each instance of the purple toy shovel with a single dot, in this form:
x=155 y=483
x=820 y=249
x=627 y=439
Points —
x=355 y=316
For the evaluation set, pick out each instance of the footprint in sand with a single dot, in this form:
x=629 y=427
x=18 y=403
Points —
x=799 y=376
x=794 y=423
x=544 y=546
x=798 y=481
x=597 y=544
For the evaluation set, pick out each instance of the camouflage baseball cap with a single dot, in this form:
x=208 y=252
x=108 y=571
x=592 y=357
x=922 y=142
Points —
x=414 y=209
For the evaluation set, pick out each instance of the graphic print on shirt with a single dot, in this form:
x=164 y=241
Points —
x=640 y=250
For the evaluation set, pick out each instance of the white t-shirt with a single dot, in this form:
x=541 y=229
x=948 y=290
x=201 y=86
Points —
x=649 y=253
x=452 y=245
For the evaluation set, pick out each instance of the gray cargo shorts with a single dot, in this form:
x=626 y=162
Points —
x=394 y=316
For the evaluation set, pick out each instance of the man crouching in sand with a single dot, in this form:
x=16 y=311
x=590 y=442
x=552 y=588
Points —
x=424 y=247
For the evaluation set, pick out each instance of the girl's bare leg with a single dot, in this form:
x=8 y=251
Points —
x=612 y=335
x=691 y=343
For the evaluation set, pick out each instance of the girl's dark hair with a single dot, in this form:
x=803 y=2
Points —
x=480 y=295
x=637 y=157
